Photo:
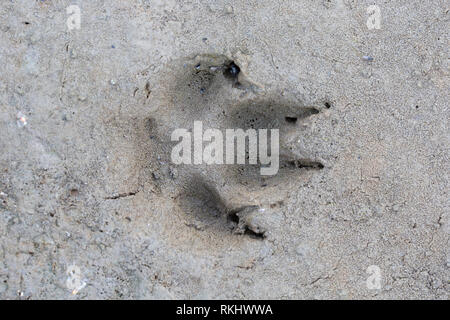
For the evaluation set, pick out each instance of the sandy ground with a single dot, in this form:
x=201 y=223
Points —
x=91 y=207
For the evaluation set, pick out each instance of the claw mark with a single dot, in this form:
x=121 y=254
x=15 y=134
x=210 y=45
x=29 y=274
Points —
x=122 y=195
x=147 y=90
x=301 y=163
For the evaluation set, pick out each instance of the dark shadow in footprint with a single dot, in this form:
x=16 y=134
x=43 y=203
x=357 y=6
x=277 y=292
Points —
x=205 y=209
x=203 y=205
x=268 y=115
x=204 y=76
x=271 y=115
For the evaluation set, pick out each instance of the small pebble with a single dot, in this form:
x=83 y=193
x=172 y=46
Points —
x=73 y=54
x=173 y=172
x=34 y=38
x=21 y=120
x=232 y=70
x=229 y=10
x=156 y=175
x=19 y=90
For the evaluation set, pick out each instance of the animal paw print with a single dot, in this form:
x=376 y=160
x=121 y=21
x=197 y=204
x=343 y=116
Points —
x=226 y=198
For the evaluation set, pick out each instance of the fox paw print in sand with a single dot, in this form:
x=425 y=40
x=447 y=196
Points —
x=210 y=94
